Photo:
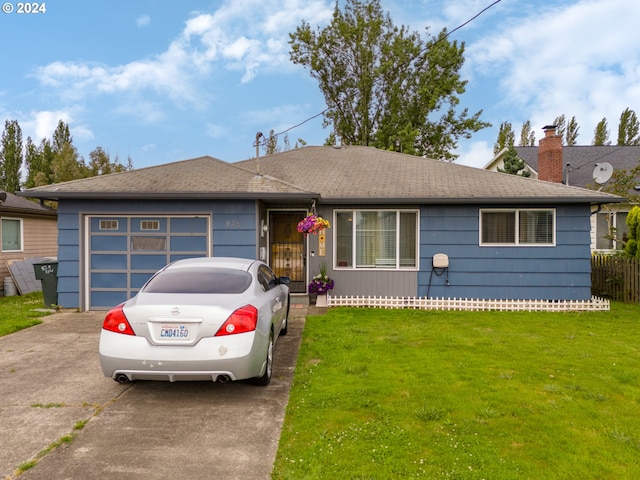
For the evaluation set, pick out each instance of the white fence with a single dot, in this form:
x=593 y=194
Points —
x=594 y=304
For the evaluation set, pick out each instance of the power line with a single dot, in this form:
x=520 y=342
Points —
x=420 y=53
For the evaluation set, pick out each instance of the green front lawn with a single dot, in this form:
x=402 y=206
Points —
x=400 y=394
x=19 y=312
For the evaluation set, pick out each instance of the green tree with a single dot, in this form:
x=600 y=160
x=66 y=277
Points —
x=11 y=156
x=506 y=138
x=100 y=163
x=39 y=161
x=384 y=85
x=527 y=135
x=571 y=135
x=513 y=164
x=561 y=126
x=601 y=133
x=628 y=128
x=61 y=136
x=68 y=165
x=633 y=218
x=623 y=183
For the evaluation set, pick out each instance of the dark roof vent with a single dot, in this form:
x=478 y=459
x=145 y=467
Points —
x=3 y=197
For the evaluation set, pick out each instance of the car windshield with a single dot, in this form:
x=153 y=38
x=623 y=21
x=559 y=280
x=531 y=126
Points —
x=199 y=280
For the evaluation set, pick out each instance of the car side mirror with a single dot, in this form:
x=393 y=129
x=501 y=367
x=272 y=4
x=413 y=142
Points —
x=284 y=280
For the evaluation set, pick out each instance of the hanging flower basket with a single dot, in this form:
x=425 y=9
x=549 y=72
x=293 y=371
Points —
x=312 y=223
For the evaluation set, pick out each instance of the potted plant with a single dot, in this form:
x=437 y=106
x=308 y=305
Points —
x=320 y=285
x=312 y=223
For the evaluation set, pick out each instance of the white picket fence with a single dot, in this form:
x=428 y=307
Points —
x=594 y=304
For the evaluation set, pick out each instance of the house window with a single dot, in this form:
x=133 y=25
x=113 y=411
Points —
x=611 y=230
x=108 y=224
x=380 y=239
x=517 y=227
x=11 y=234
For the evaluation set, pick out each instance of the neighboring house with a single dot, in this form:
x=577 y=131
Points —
x=27 y=229
x=506 y=237
x=575 y=166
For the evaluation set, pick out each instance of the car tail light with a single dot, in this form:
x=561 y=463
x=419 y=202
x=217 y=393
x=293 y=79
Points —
x=242 y=320
x=116 y=321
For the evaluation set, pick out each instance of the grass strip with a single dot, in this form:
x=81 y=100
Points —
x=398 y=394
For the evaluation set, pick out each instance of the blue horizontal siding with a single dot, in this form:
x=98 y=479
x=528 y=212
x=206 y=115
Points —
x=555 y=272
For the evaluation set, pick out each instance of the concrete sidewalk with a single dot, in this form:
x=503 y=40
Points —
x=51 y=382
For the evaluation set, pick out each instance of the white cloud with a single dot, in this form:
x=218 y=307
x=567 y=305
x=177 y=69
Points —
x=249 y=36
x=575 y=60
x=477 y=154
x=143 y=20
x=41 y=124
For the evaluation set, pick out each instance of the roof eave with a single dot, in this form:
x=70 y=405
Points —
x=476 y=200
x=48 y=195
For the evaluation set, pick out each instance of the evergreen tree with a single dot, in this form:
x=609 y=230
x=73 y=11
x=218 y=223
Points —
x=601 y=133
x=11 y=156
x=628 y=128
x=513 y=164
x=506 y=138
x=571 y=135
x=561 y=126
x=527 y=136
x=385 y=86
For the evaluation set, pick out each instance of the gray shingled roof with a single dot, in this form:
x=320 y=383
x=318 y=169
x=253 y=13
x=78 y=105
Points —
x=366 y=174
x=583 y=159
x=353 y=173
x=203 y=177
x=15 y=204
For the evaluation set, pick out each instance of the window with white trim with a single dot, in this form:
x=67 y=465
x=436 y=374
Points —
x=533 y=227
x=11 y=230
x=379 y=239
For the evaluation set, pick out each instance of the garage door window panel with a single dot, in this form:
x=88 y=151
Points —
x=148 y=262
x=149 y=244
x=105 y=243
x=108 y=262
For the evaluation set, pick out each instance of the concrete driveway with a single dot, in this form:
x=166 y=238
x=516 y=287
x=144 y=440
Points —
x=51 y=382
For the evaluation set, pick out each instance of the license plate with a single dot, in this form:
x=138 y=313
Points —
x=178 y=332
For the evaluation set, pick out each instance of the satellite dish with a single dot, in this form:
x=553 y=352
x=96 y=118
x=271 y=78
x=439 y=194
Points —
x=602 y=172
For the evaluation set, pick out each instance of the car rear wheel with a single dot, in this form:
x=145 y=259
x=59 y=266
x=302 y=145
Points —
x=266 y=377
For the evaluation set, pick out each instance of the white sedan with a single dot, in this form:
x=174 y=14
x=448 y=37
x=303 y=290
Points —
x=214 y=319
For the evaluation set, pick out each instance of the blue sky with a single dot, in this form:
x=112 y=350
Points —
x=162 y=81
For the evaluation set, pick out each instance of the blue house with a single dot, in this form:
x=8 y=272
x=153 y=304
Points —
x=501 y=236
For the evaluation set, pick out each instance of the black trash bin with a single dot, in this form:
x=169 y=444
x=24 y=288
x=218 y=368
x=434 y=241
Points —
x=47 y=273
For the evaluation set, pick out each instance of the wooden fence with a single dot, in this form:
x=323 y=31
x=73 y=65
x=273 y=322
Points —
x=617 y=278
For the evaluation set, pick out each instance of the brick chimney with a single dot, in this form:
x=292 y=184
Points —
x=550 y=156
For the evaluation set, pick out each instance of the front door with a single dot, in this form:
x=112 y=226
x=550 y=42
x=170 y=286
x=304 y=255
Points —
x=287 y=248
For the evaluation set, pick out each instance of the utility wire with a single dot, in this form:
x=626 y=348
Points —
x=442 y=38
